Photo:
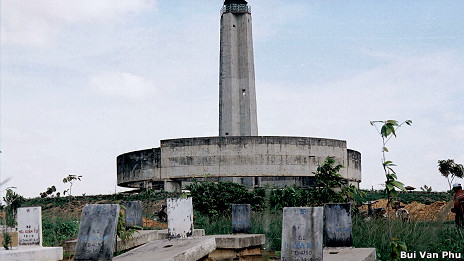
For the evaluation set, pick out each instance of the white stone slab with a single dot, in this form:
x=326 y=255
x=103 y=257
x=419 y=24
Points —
x=180 y=217
x=30 y=226
x=35 y=253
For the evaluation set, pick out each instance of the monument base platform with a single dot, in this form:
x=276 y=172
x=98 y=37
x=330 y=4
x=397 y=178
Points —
x=32 y=253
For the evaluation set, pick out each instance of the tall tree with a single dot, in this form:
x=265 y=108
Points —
x=450 y=170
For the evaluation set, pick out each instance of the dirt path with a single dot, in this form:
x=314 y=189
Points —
x=437 y=211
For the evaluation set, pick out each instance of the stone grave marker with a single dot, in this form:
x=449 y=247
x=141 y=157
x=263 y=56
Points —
x=180 y=217
x=133 y=213
x=302 y=234
x=338 y=229
x=30 y=226
x=97 y=232
x=241 y=218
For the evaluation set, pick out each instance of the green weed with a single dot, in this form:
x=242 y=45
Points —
x=58 y=230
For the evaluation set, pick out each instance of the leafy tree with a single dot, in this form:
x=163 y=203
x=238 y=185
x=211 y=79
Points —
x=330 y=188
x=290 y=197
x=48 y=192
x=450 y=170
x=328 y=180
x=387 y=131
x=70 y=179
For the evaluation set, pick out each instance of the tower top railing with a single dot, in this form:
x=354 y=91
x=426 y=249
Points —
x=236 y=8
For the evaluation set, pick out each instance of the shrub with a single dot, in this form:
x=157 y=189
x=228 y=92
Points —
x=213 y=199
x=289 y=197
x=329 y=188
x=58 y=230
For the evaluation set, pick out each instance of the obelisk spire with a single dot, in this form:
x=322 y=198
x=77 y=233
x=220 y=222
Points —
x=237 y=95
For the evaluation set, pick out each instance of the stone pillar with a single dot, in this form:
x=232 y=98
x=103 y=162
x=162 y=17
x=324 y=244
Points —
x=237 y=95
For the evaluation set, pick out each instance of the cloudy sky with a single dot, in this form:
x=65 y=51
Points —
x=85 y=81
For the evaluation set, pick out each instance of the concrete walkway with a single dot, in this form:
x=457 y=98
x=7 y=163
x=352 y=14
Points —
x=35 y=253
x=349 y=254
x=171 y=250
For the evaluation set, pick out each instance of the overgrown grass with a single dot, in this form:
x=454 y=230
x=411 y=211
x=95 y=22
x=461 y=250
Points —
x=56 y=230
x=419 y=236
x=263 y=222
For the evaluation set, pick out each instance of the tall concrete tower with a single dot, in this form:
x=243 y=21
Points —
x=237 y=95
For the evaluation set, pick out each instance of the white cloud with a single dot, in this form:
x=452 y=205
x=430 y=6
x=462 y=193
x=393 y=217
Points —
x=423 y=89
x=123 y=85
x=36 y=22
x=457 y=132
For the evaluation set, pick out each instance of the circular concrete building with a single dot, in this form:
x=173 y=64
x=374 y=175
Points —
x=238 y=154
x=250 y=160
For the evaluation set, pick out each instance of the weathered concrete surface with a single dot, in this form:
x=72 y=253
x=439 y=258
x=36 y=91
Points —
x=180 y=217
x=222 y=157
x=133 y=213
x=302 y=233
x=30 y=226
x=139 y=238
x=97 y=232
x=139 y=167
x=349 y=254
x=29 y=253
x=237 y=94
x=163 y=234
x=241 y=218
x=239 y=241
x=172 y=185
x=238 y=247
x=189 y=249
x=247 y=156
x=337 y=225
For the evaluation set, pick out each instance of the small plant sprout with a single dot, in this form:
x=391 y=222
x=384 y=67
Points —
x=387 y=130
x=70 y=179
